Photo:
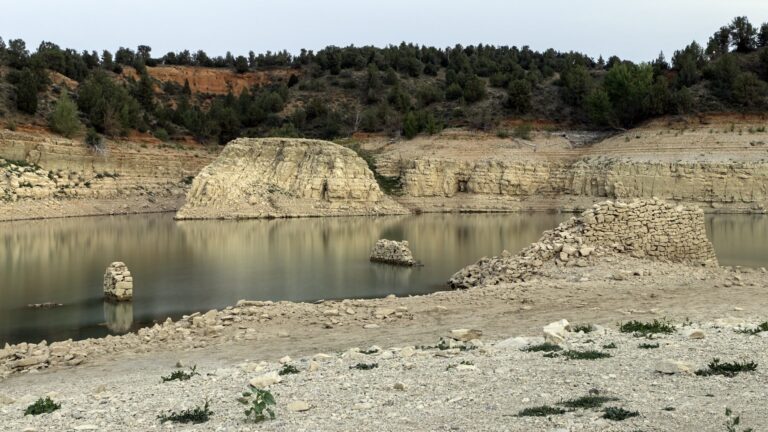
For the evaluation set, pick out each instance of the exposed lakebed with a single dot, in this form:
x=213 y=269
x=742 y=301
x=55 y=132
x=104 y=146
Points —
x=181 y=267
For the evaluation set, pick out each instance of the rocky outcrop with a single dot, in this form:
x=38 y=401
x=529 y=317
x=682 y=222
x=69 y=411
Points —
x=278 y=177
x=118 y=282
x=392 y=252
x=650 y=228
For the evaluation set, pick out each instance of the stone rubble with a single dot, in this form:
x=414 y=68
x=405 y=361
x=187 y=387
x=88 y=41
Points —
x=118 y=282
x=392 y=252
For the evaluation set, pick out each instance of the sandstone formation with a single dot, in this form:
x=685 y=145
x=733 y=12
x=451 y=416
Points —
x=118 y=282
x=392 y=252
x=650 y=228
x=46 y=176
x=278 y=177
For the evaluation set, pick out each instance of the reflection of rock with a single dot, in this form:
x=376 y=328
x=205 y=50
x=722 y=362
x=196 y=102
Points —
x=118 y=282
x=119 y=316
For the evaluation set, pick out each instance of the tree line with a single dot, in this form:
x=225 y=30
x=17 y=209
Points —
x=400 y=89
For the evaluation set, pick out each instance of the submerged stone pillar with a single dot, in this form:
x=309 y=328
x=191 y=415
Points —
x=118 y=282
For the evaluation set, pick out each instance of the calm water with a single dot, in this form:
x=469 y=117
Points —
x=181 y=267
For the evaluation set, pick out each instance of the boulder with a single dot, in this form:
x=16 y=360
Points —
x=671 y=367
x=392 y=252
x=266 y=380
x=557 y=331
x=466 y=335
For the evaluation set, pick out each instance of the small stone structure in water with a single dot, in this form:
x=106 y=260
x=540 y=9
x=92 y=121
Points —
x=392 y=252
x=118 y=282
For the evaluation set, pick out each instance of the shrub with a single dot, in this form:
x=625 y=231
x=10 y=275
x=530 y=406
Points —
x=196 y=415
x=585 y=355
x=288 y=370
x=523 y=131
x=42 y=406
x=181 y=375
x=161 y=134
x=648 y=346
x=759 y=329
x=93 y=139
x=726 y=369
x=585 y=402
x=644 y=329
x=544 y=347
x=611 y=345
x=541 y=411
x=618 y=414
x=732 y=422
x=365 y=366
x=586 y=328
x=258 y=402
x=64 y=119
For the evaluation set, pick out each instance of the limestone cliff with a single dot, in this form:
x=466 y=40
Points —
x=277 y=177
x=649 y=228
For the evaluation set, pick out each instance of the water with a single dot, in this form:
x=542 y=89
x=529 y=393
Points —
x=181 y=267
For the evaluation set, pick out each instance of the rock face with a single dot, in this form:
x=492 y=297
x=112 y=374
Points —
x=118 y=282
x=277 y=177
x=392 y=252
x=650 y=228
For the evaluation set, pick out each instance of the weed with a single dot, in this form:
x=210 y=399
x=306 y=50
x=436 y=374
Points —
x=544 y=347
x=763 y=326
x=732 y=422
x=611 y=345
x=187 y=180
x=523 y=131
x=587 y=402
x=551 y=355
x=618 y=414
x=669 y=408
x=644 y=329
x=648 y=346
x=42 y=406
x=288 y=370
x=541 y=411
x=181 y=375
x=586 y=328
x=365 y=366
x=726 y=369
x=502 y=133
x=463 y=362
x=258 y=402
x=585 y=355
x=196 y=415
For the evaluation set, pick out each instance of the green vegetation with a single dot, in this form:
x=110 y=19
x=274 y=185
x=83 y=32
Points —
x=618 y=414
x=763 y=326
x=540 y=411
x=258 y=402
x=181 y=375
x=195 y=415
x=611 y=345
x=732 y=422
x=715 y=367
x=42 y=406
x=365 y=366
x=648 y=346
x=64 y=119
x=544 y=347
x=587 y=402
x=585 y=355
x=644 y=329
x=288 y=370
x=586 y=328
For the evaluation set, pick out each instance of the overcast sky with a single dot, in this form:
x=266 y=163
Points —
x=631 y=29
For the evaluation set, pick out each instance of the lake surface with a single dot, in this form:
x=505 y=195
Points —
x=182 y=267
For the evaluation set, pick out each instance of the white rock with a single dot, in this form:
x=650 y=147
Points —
x=519 y=342
x=695 y=334
x=298 y=406
x=557 y=332
x=674 y=367
x=266 y=380
x=371 y=326
x=286 y=359
x=466 y=335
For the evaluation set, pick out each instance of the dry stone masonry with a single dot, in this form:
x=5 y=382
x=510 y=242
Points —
x=651 y=228
x=392 y=252
x=118 y=282
x=278 y=177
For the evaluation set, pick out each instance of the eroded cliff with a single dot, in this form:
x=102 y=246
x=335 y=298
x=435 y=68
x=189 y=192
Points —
x=278 y=177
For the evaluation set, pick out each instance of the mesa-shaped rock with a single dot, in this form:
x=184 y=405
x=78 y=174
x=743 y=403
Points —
x=643 y=228
x=281 y=177
x=392 y=252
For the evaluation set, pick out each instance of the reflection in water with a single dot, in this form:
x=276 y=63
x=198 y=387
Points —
x=180 y=267
x=118 y=316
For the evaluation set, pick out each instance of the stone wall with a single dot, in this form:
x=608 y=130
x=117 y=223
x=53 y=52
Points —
x=279 y=177
x=643 y=228
x=118 y=282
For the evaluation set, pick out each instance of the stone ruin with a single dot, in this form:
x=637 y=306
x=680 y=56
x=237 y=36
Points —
x=118 y=282
x=650 y=229
x=392 y=252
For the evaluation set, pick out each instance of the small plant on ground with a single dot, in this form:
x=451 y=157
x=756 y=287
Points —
x=258 y=402
x=181 y=375
x=715 y=367
x=643 y=329
x=541 y=411
x=544 y=347
x=586 y=328
x=618 y=414
x=42 y=406
x=762 y=327
x=648 y=346
x=586 y=402
x=611 y=345
x=585 y=355
x=365 y=366
x=463 y=362
x=288 y=370
x=196 y=415
x=732 y=422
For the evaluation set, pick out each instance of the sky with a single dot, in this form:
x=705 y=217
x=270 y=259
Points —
x=632 y=29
